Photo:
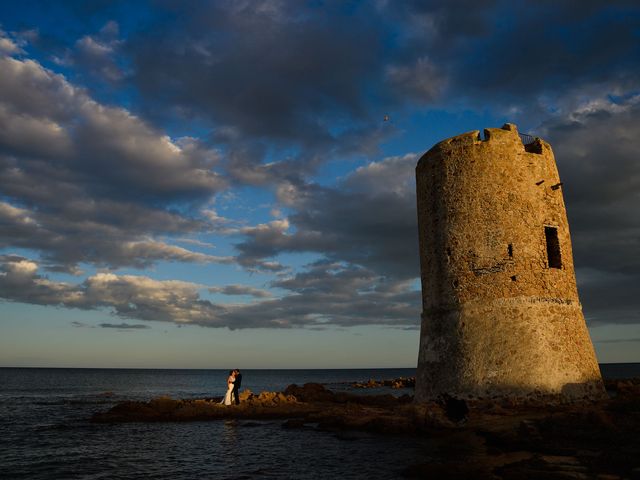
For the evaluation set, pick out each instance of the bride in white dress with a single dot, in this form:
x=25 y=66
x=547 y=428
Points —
x=227 y=398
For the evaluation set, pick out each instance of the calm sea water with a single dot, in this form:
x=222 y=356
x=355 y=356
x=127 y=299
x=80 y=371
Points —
x=45 y=433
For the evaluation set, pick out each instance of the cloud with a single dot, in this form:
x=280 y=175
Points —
x=368 y=219
x=9 y=46
x=286 y=86
x=422 y=80
x=334 y=294
x=326 y=294
x=241 y=290
x=80 y=324
x=310 y=61
x=316 y=71
x=85 y=182
x=596 y=151
x=94 y=57
x=195 y=241
x=74 y=236
x=493 y=54
x=324 y=70
x=608 y=297
x=124 y=326
x=619 y=340
x=89 y=141
x=127 y=296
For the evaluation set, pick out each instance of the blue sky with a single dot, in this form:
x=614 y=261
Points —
x=230 y=183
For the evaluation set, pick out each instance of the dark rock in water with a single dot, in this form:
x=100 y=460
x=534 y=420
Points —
x=310 y=392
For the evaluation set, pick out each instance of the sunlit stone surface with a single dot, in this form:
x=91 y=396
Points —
x=501 y=313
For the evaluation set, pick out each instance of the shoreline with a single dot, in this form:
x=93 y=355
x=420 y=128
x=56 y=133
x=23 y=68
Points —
x=501 y=438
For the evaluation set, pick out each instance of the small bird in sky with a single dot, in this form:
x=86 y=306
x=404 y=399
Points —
x=386 y=118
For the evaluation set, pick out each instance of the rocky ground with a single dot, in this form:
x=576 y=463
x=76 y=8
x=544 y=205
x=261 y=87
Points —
x=400 y=382
x=473 y=439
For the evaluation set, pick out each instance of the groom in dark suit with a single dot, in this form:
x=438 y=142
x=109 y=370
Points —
x=236 y=386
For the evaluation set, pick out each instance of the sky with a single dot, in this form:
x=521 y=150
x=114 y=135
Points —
x=221 y=184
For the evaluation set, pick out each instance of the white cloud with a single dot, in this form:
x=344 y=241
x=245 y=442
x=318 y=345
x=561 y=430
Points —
x=9 y=46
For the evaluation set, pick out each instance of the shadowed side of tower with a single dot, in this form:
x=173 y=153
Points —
x=501 y=313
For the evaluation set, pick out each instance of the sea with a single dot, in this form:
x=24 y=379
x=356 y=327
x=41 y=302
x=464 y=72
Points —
x=45 y=432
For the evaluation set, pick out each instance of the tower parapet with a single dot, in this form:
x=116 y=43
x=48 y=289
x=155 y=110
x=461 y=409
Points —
x=501 y=313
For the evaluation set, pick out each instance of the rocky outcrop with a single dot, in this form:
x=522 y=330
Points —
x=400 y=382
x=166 y=409
x=305 y=400
x=500 y=438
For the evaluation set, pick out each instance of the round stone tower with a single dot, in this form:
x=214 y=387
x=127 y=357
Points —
x=501 y=315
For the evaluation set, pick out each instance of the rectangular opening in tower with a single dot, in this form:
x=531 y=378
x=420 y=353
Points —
x=554 y=259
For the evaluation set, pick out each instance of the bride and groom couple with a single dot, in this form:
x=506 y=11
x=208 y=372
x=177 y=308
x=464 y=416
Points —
x=234 y=382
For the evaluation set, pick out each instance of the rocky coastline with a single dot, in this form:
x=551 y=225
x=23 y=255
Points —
x=507 y=439
x=396 y=383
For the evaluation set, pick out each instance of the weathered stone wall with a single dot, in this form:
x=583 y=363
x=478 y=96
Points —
x=501 y=314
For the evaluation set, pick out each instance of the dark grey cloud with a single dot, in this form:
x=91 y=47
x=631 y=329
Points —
x=609 y=298
x=81 y=324
x=513 y=54
x=124 y=326
x=596 y=152
x=421 y=80
x=241 y=290
x=619 y=340
x=330 y=293
x=368 y=219
x=284 y=86
x=305 y=73
x=282 y=70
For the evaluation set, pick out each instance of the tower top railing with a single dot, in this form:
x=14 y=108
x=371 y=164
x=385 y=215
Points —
x=526 y=138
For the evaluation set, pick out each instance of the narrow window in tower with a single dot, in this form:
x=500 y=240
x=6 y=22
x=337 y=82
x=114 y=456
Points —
x=554 y=258
x=510 y=250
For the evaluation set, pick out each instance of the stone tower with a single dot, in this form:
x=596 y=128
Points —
x=501 y=315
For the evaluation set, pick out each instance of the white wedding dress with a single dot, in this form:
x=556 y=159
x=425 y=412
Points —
x=227 y=398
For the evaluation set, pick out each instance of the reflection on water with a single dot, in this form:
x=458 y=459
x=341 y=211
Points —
x=230 y=432
x=230 y=445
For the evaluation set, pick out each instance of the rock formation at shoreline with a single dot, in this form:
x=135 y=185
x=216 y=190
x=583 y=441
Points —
x=295 y=401
x=400 y=382
x=484 y=439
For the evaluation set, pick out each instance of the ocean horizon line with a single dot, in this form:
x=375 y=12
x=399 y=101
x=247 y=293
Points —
x=243 y=368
